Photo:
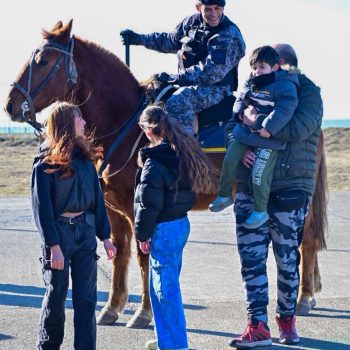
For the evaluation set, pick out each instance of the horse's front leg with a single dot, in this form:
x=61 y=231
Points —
x=143 y=316
x=118 y=295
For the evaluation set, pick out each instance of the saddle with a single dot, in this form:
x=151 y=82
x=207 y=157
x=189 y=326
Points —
x=209 y=123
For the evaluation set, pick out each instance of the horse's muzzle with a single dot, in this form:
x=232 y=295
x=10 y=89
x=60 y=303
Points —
x=8 y=108
x=14 y=115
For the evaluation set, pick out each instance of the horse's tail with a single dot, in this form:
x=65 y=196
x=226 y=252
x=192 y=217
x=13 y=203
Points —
x=320 y=199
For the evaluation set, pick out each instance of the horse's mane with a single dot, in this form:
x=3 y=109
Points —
x=109 y=58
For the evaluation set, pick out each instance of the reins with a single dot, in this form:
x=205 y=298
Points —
x=124 y=131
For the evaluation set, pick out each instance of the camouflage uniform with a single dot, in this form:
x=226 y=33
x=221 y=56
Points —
x=285 y=230
x=209 y=73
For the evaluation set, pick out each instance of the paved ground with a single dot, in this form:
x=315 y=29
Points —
x=211 y=286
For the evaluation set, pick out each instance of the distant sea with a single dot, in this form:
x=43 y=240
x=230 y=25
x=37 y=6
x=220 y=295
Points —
x=335 y=123
x=11 y=128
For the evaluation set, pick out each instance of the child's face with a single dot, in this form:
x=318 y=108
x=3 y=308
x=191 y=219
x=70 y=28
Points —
x=79 y=123
x=260 y=68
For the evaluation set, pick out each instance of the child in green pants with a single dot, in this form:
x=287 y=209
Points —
x=271 y=103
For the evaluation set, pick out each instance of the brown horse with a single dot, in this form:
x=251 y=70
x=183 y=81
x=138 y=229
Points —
x=67 y=68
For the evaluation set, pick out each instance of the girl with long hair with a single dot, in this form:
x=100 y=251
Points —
x=69 y=212
x=173 y=169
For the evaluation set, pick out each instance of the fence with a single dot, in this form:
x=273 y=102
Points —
x=16 y=130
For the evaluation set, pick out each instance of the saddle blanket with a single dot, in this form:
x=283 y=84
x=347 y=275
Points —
x=211 y=138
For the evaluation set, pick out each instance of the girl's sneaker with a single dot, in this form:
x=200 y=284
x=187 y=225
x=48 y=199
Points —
x=220 y=203
x=252 y=337
x=256 y=219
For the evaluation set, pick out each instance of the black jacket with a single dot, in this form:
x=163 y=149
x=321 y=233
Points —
x=156 y=197
x=52 y=196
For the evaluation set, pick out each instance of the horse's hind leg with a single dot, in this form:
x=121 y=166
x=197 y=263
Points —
x=314 y=239
x=306 y=287
x=143 y=316
x=118 y=295
x=317 y=283
x=308 y=266
x=310 y=281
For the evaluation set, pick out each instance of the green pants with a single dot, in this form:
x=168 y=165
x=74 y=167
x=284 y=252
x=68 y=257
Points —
x=262 y=172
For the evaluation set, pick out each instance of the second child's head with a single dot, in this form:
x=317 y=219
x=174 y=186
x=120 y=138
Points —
x=264 y=60
x=65 y=121
x=64 y=134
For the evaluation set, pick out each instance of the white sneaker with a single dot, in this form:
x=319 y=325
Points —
x=152 y=344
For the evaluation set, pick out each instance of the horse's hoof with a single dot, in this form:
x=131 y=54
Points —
x=312 y=302
x=107 y=316
x=303 y=307
x=141 y=319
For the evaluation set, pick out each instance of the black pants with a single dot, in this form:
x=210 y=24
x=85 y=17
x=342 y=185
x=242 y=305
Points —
x=78 y=244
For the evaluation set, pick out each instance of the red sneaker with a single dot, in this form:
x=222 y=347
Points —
x=253 y=336
x=288 y=332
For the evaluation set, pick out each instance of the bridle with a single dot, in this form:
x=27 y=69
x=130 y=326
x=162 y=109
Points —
x=28 y=109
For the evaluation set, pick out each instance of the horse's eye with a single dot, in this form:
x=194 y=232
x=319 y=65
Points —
x=42 y=62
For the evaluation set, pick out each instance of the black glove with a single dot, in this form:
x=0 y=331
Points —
x=166 y=78
x=129 y=37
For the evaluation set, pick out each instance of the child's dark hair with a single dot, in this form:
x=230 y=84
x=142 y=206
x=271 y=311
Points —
x=265 y=54
x=193 y=163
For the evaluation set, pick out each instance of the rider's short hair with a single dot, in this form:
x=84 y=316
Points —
x=221 y=3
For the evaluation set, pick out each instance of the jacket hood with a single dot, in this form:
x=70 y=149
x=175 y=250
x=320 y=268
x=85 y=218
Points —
x=291 y=69
x=162 y=153
x=42 y=152
x=287 y=75
x=44 y=149
x=266 y=79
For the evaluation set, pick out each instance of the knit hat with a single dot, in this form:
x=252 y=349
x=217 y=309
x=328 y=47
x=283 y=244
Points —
x=213 y=2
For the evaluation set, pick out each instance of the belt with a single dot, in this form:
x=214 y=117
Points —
x=73 y=219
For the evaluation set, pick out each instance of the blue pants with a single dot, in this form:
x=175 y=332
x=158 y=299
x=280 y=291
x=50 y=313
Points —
x=287 y=214
x=167 y=244
x=78 y=245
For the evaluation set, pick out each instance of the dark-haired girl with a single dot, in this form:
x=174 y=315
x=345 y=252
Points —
x=172 y=170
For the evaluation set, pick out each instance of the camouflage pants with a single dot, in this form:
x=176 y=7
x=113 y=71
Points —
x=285 y=230
x=189 y=100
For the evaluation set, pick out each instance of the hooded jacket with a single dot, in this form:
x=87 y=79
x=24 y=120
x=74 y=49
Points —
x=296 y=166
x=52 y=196
x=158 y=197
x=275 y=100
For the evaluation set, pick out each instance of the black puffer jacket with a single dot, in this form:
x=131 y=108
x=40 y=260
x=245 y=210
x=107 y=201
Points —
x=296 y=166
x=156 y=197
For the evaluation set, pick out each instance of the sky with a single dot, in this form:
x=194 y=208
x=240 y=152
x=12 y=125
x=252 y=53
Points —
x=315 y=28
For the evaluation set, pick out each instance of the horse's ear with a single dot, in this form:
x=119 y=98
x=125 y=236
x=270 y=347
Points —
x=66 y=30
x=57 y=26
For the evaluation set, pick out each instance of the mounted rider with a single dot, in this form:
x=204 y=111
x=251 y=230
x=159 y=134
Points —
x=209 y=47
